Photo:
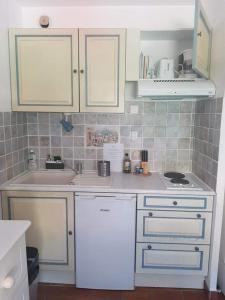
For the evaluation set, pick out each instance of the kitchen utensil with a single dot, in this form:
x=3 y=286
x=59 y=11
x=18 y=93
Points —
x=103 y=168
x=165 y=68
x=185 y=64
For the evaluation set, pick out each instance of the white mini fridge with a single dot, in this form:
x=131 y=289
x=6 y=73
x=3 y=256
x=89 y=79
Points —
x=105 y=240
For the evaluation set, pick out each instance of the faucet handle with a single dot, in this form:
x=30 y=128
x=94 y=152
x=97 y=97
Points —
x=79 y=167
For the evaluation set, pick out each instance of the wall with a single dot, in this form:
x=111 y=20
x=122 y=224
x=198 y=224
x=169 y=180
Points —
x=112 y=16
x=9 y=17
x=4 y=59
x=13 y=144
x=164 y=128
x=206 y=140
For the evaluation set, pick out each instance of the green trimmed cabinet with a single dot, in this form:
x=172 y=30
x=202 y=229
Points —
x=67 y=70
x=51 y=231
x=44 y=70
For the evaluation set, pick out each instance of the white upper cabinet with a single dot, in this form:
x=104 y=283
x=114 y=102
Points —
x=202 y=42
x=44 y=66
x=48 y=74
x=102 y=70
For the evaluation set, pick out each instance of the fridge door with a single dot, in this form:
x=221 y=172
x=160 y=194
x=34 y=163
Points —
x=105 y=242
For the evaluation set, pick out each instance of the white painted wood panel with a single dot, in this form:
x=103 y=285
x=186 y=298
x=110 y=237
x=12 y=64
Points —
x=172 y=259
x=132 y=54
x=202 y=42
x=48 y=231
x=51 y=215
x=174 y=202
x=14 y=265
x=42 y=64
x=173 y=227
x=102 y=70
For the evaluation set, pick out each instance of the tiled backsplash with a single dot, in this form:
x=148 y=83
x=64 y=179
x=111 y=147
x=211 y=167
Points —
x=13 y=144
x=164 y=128
x=179 y=135
x=206 y=139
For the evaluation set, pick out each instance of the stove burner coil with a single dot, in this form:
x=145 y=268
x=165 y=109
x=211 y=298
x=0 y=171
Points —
x=179 y=181
x=174 y=175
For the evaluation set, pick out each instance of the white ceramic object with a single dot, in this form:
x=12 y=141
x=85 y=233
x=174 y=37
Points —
x=47 y=177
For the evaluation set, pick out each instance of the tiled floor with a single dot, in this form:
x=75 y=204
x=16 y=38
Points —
x=57 y=292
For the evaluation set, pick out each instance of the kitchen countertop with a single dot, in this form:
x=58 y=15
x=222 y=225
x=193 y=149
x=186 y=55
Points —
x=121 y=183
x=10 y=232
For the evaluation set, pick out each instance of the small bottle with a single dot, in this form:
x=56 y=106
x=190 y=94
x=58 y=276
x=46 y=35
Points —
x=126 y=164
x=32 y=163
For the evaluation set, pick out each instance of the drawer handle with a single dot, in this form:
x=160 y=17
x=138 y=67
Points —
x=149 y=247
x=7 y=283
x=196 y=249
x=70 y=232
x=150 y=214
x=174 y=202
x=199 y=216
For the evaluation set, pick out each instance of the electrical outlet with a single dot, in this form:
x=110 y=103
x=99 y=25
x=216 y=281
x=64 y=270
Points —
x=134 y=109
x=134 y=135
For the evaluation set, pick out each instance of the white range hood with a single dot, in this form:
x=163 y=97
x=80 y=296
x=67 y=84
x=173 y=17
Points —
x=158 y=88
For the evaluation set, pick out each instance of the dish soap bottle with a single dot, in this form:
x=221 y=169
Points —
x=32 y=163
x=126 y=164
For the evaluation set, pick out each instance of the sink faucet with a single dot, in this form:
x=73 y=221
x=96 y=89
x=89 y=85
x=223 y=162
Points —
x=78 y=168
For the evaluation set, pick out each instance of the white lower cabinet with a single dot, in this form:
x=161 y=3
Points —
x=52 y=225
x=172 y=259
x=173 y=227
x=173 y=239
x=13 y=268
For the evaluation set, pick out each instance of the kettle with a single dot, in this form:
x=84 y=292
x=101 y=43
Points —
x=165 y=68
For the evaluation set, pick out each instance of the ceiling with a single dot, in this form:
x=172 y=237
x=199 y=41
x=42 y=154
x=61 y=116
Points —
x=103 y=2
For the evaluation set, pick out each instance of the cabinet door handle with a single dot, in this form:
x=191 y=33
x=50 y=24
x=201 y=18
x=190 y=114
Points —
x=174 y=202
x=81 y=71
x=199 y=216
x=150 y=214
x=74 y=71
x=149 y=247
x=7 y=282
x=196 y=249
x=70 y=232
x=199 y=34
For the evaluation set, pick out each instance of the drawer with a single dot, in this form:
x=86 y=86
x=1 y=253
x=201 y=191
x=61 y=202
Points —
x=172 y=259
x=173 y=227
x=14 y=265
x=174 y=202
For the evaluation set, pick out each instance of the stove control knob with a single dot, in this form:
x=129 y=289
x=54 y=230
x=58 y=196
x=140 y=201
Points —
x=174 y=202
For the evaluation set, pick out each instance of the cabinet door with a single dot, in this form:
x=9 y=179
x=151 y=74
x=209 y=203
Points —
x=102 y=70
x=44 y=65
x=202 y=42
x=51 y=231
